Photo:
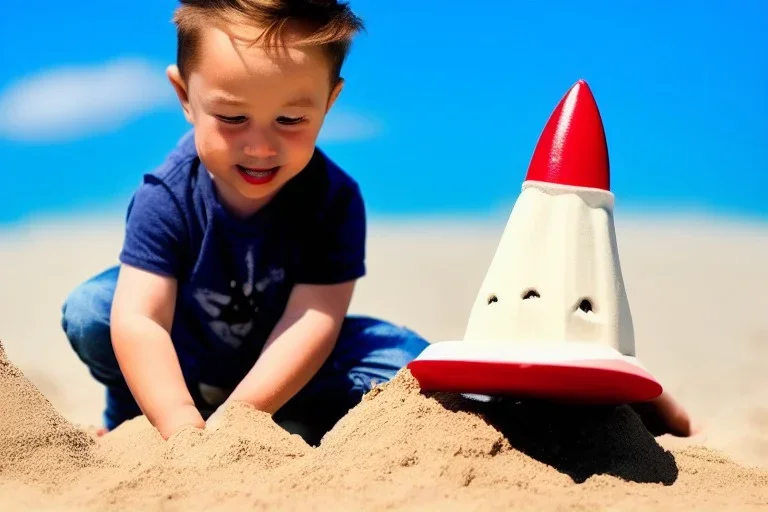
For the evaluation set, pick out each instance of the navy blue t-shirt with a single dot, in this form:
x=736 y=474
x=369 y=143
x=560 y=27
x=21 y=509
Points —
x=235 y=275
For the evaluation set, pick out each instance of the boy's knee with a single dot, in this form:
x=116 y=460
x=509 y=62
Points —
x=369 y=351
x=85 y=321
x=79 y=319
x=407 y=341
x=400 y=336
x=399 y=344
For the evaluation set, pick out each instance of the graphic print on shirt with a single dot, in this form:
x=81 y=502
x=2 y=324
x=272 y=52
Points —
x=232 y=313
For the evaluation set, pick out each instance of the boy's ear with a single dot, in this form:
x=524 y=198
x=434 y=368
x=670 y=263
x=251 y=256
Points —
x=334 y=94
x=172 y=72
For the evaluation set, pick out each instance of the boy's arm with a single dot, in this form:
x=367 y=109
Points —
x=141 y=318
x=305 y=335
x=298 y=346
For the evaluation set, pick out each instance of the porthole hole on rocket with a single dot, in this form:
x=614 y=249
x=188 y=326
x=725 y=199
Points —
x=531 y=294
x=585 y=305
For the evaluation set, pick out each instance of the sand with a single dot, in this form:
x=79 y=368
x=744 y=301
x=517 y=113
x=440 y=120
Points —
x=698 y=299
x=398 y=449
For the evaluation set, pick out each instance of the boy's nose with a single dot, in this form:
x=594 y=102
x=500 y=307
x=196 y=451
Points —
x=259 y=150
x=259 y=145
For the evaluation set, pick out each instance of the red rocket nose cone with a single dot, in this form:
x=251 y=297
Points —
x=572 y=149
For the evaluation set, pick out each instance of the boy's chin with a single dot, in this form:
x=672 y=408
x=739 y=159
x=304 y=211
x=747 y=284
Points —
x=258 y=192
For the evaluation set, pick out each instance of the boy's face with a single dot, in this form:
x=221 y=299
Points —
x=256 y=114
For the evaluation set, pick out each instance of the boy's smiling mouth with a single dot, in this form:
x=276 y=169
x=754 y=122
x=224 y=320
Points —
x=257 y=175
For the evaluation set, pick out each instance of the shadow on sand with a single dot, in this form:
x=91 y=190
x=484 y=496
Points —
x=576 y=440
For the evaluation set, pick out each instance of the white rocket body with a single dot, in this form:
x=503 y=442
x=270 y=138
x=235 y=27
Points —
x=555 y=277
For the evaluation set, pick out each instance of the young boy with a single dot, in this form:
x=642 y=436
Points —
x=242 y=249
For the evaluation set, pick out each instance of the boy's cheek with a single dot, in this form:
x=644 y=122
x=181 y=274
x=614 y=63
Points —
x=214 y=145
x=300 y=146
x=306 y=136
x=303 y=137
x=220 y=137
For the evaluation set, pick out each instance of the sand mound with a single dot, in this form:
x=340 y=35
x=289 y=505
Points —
x=33 y=435
x=193 y=467
x=569 y=445
x=398 y=449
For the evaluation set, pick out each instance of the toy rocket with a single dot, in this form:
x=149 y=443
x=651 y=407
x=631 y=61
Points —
x=551 y=319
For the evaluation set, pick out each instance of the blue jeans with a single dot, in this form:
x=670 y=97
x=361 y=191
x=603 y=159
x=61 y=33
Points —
x=368 y=351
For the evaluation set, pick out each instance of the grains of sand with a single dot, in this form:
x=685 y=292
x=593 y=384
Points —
x=399 y=449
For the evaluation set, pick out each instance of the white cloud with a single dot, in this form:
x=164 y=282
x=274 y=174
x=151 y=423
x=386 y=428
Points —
x=77 y=101
x=348 y=126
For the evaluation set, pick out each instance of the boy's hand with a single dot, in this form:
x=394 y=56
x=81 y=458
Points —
x=297 y=347
x=141 y=320
x=664 y=415
x=178 y=418
x=214 y=420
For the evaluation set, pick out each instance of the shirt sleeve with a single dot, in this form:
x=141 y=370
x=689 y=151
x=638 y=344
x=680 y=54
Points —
x=335 y=251
x=154 y=231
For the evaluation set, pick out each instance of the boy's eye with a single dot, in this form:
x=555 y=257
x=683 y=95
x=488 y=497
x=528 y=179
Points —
x=289 y=120
x=231 y=120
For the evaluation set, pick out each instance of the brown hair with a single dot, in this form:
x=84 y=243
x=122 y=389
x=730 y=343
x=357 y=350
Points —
x=331 y=25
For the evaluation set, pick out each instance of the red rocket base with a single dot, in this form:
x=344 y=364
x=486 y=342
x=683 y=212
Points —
x=606 y=381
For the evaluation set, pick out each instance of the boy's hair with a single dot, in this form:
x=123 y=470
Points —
x=331 y=24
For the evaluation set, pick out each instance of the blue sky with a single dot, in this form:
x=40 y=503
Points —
x=443 y=105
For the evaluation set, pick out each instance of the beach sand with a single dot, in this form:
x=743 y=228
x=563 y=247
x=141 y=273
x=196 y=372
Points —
x=699 y=302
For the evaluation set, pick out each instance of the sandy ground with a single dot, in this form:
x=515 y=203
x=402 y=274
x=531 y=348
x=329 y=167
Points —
x=697 y=290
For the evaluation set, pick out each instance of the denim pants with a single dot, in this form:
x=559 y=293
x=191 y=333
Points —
x=368 y=351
